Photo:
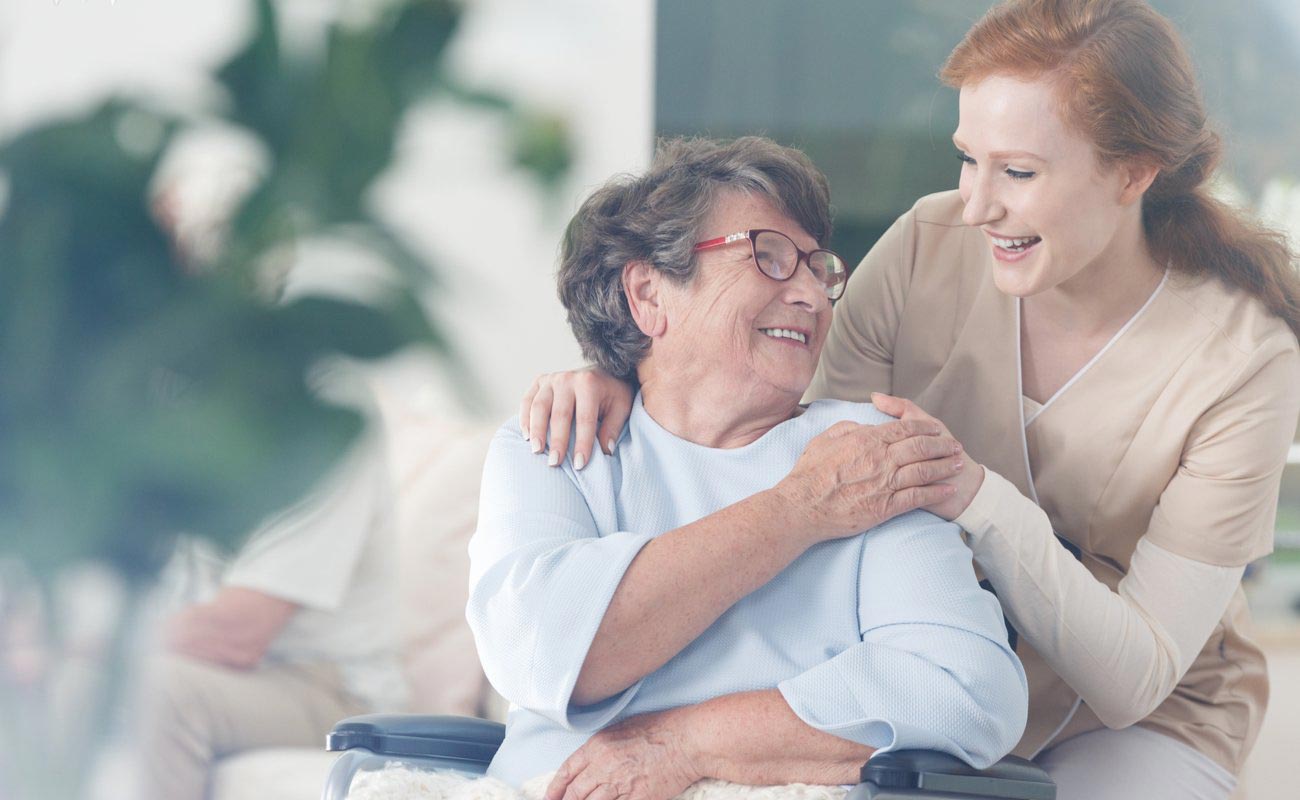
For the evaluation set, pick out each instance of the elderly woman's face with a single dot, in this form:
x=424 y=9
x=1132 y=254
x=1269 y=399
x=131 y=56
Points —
x=733 y=323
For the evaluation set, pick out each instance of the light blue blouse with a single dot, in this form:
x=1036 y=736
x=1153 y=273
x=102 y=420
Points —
x=884 y=638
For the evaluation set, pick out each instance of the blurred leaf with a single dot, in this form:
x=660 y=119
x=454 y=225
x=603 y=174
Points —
x=142 y=396
x=541 y=146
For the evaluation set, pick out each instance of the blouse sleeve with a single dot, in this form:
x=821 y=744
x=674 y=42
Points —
x=541 y=580
x=858 y=357
x=933 y=669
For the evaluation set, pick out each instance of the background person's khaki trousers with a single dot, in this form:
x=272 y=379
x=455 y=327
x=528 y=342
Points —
x=195 y=712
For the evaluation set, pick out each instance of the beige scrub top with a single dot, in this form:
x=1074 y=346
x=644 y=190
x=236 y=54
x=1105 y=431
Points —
x=1176 y=434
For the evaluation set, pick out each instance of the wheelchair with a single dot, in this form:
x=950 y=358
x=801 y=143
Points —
x=467 y=745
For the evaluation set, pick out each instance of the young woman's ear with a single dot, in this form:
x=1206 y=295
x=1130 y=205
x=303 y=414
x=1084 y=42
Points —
x=643 y=285
x=1138 y=177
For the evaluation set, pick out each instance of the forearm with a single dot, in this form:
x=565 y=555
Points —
x=689 y=576
x=234 y=629
x=1122 y=650
x=755 y=738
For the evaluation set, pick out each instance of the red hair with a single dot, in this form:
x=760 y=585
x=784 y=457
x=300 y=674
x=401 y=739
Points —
x=1125 y=82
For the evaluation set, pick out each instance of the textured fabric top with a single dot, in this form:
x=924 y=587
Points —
x=884 y=638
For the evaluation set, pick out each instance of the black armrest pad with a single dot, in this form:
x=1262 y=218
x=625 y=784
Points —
x=455 y=738
x=926 y=769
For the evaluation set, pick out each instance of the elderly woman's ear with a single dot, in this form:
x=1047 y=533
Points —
x=642 y=284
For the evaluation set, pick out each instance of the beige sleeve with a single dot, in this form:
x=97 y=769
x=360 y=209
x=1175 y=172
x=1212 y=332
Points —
x=1124 y=651
x=1221 y=505
x=858 y=357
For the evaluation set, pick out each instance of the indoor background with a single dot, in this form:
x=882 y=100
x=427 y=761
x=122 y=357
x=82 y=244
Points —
x=534 y=104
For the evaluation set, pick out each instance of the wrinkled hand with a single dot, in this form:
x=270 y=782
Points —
x=646 y=757
x=854 y=477
x=588 y=396
x=965 y=483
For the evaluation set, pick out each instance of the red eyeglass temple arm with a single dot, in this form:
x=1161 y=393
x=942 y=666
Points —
x=728 y=239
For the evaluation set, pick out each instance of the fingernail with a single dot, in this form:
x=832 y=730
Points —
x=554 y=458
x=537 y=446
x=579 y=461
x=956 y=448
x=609 y=447
x=958 y=465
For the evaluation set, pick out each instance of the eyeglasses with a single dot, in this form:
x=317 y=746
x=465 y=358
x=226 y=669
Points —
x=778 y=257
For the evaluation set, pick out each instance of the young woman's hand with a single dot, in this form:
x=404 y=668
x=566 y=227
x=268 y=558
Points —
x=853 y=477
x=965 y=483
x=599 y=402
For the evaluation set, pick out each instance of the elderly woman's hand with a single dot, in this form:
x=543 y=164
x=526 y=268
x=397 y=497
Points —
x=588 y=396
x=641 y=758
x=965 y=483
x=854 y=477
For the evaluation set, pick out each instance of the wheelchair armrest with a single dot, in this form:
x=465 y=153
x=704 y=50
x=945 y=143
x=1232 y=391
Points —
x=371 y=741
x=927 y=773
x=474 y=741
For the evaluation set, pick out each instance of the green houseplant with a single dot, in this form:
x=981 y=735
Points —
x=144 y=393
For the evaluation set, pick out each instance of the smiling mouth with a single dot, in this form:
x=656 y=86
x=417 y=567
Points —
x=1015 y=245
x=785 y=333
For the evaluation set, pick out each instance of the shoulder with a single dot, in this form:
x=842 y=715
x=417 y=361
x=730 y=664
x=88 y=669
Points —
x=933 y=218
x=1236 y=317
x=514 y=469
x=942 y=209
x=822 y=414
x=1238 y=335
x=936 y=251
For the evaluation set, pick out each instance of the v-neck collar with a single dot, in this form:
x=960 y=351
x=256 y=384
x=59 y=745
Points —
x=1020 y=365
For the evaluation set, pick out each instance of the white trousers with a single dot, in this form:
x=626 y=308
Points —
x=1133 y=763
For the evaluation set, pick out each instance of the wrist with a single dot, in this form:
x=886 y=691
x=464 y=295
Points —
x=976 y=482
x=691 y=739
x=785 y=510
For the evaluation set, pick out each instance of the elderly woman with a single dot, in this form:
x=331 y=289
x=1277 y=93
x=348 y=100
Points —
x=704 y=602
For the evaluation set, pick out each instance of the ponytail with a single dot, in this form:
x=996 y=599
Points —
x=1197 y=234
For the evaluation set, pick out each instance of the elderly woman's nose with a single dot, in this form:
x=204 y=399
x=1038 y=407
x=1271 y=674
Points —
x=806 y=289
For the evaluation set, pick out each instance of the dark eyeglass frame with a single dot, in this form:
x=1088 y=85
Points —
x=833 y=291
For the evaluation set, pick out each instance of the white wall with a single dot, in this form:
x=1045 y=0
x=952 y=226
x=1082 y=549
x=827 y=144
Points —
x=495 y=234
x=492 y=233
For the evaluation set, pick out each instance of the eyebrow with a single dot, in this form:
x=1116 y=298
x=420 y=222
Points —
x=1004 y=155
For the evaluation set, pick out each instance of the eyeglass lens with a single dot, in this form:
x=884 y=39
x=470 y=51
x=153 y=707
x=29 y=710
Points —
x=778 y=258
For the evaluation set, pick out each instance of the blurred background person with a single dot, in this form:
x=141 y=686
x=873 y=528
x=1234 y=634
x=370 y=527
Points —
x=297 y=631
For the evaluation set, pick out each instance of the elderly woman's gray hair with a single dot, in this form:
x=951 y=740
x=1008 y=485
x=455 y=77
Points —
x=656 y=218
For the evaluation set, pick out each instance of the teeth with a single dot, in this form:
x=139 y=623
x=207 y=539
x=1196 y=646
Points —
x=1013 y=244
x=782 y=333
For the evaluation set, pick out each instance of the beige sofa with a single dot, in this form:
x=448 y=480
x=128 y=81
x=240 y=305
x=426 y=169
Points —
x=437 y=466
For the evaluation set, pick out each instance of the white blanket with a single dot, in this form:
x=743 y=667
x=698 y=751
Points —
x=396 y=782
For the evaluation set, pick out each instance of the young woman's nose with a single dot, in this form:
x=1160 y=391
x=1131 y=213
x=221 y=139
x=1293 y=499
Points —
x=982 y=204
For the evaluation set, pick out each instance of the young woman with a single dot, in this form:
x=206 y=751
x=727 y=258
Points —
x=1117 y=351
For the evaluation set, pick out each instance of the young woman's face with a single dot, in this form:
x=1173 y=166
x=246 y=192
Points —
x=1048 y=209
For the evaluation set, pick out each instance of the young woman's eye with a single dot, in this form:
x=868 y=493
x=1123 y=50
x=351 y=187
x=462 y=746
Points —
x=1019 y=174
x=965 y=159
